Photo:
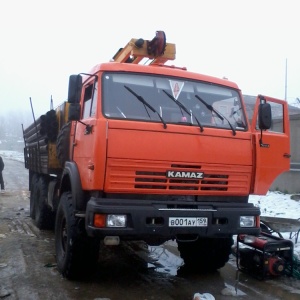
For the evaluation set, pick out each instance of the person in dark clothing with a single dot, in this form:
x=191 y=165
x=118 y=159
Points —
x=1 y=176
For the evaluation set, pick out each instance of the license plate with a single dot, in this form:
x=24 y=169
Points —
x=187 y=222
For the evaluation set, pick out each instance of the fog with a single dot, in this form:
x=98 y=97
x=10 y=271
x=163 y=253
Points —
x=254 y=43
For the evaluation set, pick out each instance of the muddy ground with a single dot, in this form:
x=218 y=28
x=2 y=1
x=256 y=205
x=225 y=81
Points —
x=131 y=271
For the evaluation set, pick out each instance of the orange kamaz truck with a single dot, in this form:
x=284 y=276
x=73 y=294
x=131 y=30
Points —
x=143 y=150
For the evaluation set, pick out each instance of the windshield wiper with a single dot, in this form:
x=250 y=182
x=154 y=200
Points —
x=184 y=108
x=142 y=100
x=212 y=109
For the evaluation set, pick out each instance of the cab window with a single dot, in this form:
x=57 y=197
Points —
x=89 y=104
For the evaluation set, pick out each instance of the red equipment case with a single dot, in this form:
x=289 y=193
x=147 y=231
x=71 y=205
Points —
x=266 y=256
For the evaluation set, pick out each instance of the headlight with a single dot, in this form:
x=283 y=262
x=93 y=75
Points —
x=116 y=220
x=247 y=221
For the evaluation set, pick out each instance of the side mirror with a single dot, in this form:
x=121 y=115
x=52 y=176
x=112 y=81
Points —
x=74 y=112
x=75 y=86
x=264 y=116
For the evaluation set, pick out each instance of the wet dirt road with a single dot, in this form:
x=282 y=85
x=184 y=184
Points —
x=131 y=271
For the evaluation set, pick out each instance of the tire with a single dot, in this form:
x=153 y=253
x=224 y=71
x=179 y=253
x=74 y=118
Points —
x=33 y=186
x=44 y=217
x=63 y=144
x=76 y=253
x=206 y=254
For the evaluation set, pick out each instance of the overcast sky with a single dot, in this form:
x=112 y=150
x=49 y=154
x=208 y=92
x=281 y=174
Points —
x=43 y=42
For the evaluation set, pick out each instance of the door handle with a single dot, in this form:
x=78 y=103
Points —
x=91 y=166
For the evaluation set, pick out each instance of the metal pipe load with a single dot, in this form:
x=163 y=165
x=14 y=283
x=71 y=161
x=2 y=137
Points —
x=46 y=126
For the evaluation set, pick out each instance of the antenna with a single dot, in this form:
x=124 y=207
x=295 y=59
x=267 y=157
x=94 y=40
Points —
x=51 y=103
x=285 y=92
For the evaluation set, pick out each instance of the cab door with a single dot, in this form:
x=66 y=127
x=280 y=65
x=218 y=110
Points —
x=84 y=142
x=271 y=146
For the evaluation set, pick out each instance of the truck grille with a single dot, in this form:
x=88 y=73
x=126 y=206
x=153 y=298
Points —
x=145 y=177
x=155 y=180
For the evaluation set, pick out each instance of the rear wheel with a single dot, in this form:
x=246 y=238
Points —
x=76 y=253
x=33 y=186
x=44 y=217
x=206 y=254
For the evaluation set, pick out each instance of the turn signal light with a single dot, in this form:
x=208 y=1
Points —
x=99 y=220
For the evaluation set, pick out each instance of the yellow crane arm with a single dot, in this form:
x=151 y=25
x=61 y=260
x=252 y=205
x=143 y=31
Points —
x=157 y=50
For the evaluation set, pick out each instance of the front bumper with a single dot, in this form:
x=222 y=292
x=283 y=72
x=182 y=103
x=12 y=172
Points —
x=150 y=219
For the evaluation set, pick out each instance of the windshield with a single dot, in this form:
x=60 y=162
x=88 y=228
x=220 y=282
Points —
x=171 y=100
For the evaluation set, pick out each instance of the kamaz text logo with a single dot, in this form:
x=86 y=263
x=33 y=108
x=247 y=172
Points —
x=184 y=174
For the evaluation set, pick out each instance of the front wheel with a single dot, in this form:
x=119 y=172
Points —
x=76 y=253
